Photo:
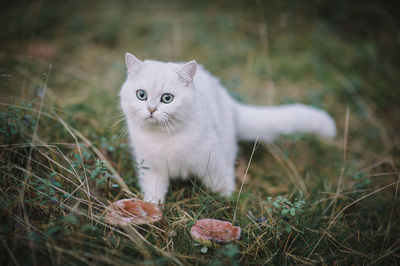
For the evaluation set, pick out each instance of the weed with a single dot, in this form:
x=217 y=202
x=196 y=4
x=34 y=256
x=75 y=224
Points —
x=282 y=212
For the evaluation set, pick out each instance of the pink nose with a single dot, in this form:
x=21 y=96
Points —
x=151 y=110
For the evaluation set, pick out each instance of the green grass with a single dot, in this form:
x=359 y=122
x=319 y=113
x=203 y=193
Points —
x=64 y=152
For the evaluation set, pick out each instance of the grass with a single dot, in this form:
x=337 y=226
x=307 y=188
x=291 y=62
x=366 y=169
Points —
x=303 y=200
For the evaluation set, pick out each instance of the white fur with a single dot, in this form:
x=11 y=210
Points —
x=196 y=134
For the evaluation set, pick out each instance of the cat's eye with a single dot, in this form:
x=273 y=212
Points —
x=141 y=95
x=167 y=97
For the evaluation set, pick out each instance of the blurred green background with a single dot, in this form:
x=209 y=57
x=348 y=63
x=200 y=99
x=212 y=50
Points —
x=336 y=55
x=264 y=50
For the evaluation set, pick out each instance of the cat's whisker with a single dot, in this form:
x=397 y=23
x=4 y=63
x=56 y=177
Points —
x=115 y=123
x=115 y=116
x=120 y=132
x=174 y=123
x=123 y=131
x=171 y=126
x=170 y=129
x=174 y=116
x=174 y=120
x=166 y=126
x=123 y=134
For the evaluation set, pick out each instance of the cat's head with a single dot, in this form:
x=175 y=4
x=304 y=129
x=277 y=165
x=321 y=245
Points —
x=157 y=93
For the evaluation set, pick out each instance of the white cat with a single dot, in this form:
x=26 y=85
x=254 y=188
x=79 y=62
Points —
x=183 y=123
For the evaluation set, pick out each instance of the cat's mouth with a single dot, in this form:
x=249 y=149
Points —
x=151 y=119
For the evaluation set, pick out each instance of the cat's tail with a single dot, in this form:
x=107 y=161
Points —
x=265 y=123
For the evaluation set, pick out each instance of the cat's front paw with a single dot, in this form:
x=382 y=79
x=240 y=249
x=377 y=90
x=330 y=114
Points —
x=153 y=199
x=226 y=190
x=154 y=187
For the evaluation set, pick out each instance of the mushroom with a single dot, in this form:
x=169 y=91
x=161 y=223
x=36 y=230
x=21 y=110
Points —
x=206 y=230
x=131 y=211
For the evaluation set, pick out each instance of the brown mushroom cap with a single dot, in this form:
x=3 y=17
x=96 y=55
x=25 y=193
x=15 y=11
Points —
x=132 y=211
x=206 y=230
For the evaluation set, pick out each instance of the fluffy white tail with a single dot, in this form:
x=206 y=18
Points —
x=267 y=122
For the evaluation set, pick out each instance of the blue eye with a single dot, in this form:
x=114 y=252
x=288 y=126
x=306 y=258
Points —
x=167 y=97
x=141 y=95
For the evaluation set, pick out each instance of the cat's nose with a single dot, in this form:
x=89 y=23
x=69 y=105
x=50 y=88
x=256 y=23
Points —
x=152 y=110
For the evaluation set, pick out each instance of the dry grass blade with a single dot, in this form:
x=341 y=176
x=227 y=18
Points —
x=387 y=232
x=346 y=207
x=14 y=260
x=287 y=164
x=346 y=132
x=89 y=144
x=131 y=232
x=22 y=193
x=243 y=181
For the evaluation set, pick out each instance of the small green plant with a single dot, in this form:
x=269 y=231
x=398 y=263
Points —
x=16 y=122
x=226 y=256
x=361 y=180
x=140 y=166
x=282 y=213
x=100 y=174
x=112 y=144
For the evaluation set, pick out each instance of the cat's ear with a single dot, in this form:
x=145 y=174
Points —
x=187 y=71
x=133 y=64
